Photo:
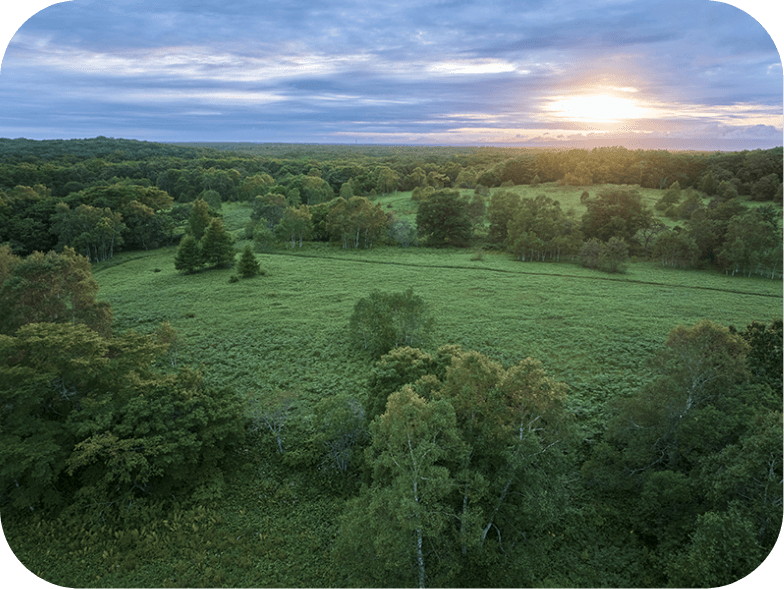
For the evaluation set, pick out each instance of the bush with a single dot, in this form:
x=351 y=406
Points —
x=607 y=257
x=383 y=321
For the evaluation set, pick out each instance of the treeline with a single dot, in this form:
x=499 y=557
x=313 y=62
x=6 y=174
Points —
x=103 y=195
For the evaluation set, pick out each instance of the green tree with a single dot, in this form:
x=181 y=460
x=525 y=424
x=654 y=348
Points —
x=752 y=245
x=443 y=219
x=356 y=222
x=503 y=206
x=383 y=321
x=189 y=257
x=50 y=287
x=616 y=212
x=723 y=549
x=391 y=529
x=340 y=430
x=399 y=366
x=296 y=225
x=676 y=249
x=247 y=266
x=200 y=219
x=217 y=246
x=540 y=229
x=614 y=256
x=93 y=425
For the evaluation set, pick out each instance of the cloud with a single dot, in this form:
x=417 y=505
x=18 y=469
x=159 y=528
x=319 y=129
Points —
x=419 y=71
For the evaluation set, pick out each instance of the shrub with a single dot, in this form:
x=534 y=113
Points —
x=383 y=321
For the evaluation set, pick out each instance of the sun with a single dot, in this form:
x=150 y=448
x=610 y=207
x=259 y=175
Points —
x=596 y=108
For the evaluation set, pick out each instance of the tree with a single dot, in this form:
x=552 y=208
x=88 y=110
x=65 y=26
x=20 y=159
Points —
x=93 y=425
x=200 y=219
x=540 y=229
x=270 y=411
x=339 y=422
x=670 y=198
x=383 y=321
x=296 y=225
x=91 y=230
x=189 y=256
x=676 y=249
x=443 y=219
x=753 y=244
x=465 y=451
x=217 y=246
x=502 y=208
x=270 y=208
x=396 y=521
x=616 y=212
x=247 y=266
x=356 y=222
x=615 y=255
x=399 y=366
x=50 y=287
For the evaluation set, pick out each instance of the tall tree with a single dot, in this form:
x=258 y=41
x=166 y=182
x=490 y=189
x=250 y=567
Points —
x=616 y=212
x=49 y=287
x=200 y=219
x=189 y=256
x=443 y=219
x=217 y=246
x=398 y=520
x=247 y=265
x=383 y=321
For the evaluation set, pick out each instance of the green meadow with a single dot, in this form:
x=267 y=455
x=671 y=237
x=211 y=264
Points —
x=289 y=328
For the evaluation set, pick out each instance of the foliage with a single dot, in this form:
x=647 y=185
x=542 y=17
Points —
x=188 y=257
x=247 y=265
x=49 y=288
x=383 y=321
x=607 y=257
x=200 y=219
x=455 y=473
x=295 y=225
x=356 y=222
x=217 y=246
x=539 y=229
x=96 y=426
x=443 y=219
x=616 y=212
x=681 y=444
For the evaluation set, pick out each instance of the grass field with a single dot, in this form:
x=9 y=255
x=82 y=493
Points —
x=289 y=330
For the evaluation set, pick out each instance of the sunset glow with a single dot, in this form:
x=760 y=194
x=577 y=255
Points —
x=600 y=108
x=666 y=74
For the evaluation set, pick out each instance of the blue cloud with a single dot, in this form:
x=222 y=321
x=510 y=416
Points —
x=303 y=71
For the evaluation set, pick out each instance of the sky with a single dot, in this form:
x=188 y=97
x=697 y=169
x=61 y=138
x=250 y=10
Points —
x=653 y=74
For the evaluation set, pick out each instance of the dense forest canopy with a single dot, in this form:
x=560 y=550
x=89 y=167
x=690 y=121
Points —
x=104 y=195
x=425 y=462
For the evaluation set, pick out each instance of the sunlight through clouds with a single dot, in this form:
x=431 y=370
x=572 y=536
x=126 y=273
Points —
x=461 y=73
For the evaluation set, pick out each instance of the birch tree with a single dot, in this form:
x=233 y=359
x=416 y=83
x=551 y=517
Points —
x=398 y=520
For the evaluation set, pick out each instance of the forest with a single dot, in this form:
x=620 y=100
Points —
x=347 y=365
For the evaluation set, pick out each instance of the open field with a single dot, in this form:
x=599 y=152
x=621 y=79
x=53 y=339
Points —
x=290 y=327
x=288 y=330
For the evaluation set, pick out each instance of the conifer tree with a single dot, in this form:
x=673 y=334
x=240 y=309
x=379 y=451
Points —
x=189 y=255
x=217 y=246
x=247 y=266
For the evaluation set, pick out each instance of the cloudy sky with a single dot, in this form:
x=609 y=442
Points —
x=671 y=74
